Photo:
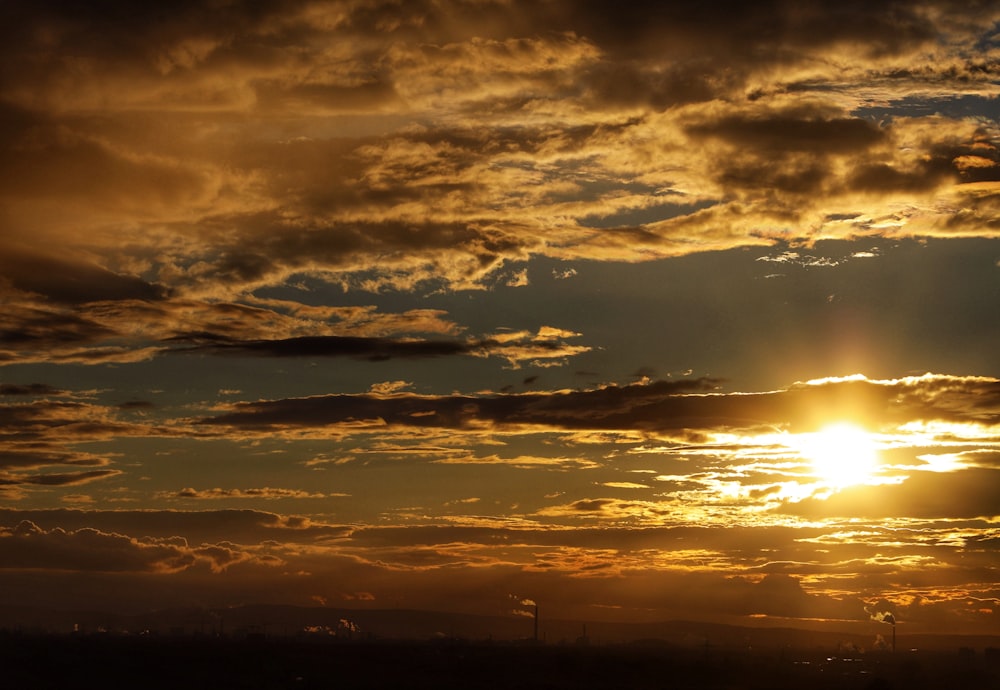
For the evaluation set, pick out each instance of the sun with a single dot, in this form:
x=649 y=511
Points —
x=841 y=454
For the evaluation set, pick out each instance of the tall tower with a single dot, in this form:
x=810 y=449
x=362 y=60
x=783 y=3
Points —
x=536 y=623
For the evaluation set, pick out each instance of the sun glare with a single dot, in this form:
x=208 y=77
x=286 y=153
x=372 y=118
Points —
x=841 y=455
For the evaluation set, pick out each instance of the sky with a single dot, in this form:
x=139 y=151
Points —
x=640 y=311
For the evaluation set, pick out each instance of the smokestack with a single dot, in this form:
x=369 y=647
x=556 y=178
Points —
x=886 y=617
x=536 y=625
x=891 y=620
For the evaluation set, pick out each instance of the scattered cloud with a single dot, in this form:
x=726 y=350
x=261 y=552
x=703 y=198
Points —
x=390 y=387
x=267 y=493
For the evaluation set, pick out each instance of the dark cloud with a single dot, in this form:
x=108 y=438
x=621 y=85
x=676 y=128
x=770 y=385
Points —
x=661 y=406
x=44 y=433
x=885 y=178
x=41 y=328
x=130 y=330
x=34 y=420
x=32 y=416
x=792 y=132
x=793 y=159
x=87 y=170
x=28 y=546
x=798 y=177
x=211 y=526
x=761 y=32
x=611 y=407
x=36 y=454
x=70 y=281
x=139 y=34
x=126 y=329
x=889 y=26
x=29 y=389
x=372 y=349
x=136 y=405
x=612 y=85
x=428 y=249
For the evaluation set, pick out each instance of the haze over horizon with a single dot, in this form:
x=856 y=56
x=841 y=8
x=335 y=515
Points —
x=646 y=311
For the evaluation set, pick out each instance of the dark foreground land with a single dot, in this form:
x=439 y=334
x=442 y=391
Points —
x=153 y=663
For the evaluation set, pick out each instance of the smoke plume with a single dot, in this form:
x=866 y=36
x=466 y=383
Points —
x=883 y=617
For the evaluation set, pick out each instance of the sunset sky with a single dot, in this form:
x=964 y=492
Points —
x=639 y=310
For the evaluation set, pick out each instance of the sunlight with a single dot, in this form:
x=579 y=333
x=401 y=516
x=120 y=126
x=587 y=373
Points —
x=841 y=455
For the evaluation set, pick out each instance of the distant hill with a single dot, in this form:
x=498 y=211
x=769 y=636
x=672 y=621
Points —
x=402 y=624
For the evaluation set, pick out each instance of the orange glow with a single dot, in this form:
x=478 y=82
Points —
x=841 y=454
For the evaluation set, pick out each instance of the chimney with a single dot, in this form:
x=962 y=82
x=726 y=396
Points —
x=536 y=623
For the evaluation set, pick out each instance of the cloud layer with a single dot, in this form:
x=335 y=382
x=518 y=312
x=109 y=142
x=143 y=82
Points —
x=637 y=491
x=297 y=294
x=225 y=149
